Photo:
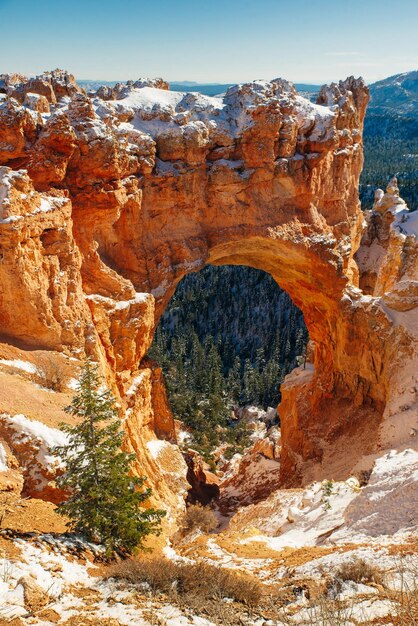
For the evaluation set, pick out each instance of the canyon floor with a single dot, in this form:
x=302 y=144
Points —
x=49 y=578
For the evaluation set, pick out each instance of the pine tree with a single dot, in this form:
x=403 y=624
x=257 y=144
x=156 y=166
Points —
x=247 y=383
x=214 y=378
x=234 y=381
x=104 y=501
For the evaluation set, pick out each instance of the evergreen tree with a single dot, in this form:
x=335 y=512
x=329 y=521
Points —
x=234 y=381
x=247 y=383
x=214 y=378
x=104 y=501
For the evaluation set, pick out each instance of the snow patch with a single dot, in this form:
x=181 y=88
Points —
x=40 y=437
x=45 y=206
x=32 y=429
x=156 y=446
x=387 y=505
x=136 y=382
x=369 y=258
x=73 y=383
x=3 y=459
x=300 y=375
x=406 y=222
x=338 y=513
x=52 y=571
x=25 y=366
x=318 y=511
x=119 y=305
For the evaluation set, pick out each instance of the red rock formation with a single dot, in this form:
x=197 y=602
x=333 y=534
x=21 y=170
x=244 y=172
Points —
x=41 y=295
x=203 y=483
x=51 y=85
x=253 y=475
x=152 y=185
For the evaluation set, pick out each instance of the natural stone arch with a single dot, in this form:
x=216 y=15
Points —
x=145 y=186
x=339 y=382
x=295 y=216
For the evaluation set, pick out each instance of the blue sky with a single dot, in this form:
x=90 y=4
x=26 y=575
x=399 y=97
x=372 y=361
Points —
x=210 y=41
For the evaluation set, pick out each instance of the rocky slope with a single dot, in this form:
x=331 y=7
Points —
x=336 y=552
x=106 y=203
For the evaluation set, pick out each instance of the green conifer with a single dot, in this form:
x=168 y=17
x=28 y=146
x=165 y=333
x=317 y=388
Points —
x=105 y=500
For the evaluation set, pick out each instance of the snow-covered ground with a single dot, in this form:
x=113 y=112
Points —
x=296 y=540
x=69 y=587
x=335 y=513
x=308 y=534
x=63 y=582
x=25 y=366
x=291 y=539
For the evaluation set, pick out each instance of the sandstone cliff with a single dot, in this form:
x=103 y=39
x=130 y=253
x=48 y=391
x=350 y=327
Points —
x=107 y=202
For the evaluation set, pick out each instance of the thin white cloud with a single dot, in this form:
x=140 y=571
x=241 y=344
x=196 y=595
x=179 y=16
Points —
x=360 y=64
x=343 y=54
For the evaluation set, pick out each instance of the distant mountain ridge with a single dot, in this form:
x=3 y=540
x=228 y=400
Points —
x=399 y=92
x=391 y=138
x=213 y=89
x=393 y=109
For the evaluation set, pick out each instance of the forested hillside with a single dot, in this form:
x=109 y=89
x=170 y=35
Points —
x=391 y=138
x=384 y=158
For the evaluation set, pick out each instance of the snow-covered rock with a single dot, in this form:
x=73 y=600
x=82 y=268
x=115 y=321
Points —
x=32 y=443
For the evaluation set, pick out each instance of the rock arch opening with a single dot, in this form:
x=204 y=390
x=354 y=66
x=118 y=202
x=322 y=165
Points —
x=226 y=340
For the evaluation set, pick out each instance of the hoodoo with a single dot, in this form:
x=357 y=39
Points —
x=108 y=200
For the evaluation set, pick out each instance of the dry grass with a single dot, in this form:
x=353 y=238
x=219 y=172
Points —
x=197 y=517
x=407 y=596
x=359 y=571
x=195 y=585
x=408 y=607
x=322 y=612
x=200 y=587
x=53 y=373
x=326 y=612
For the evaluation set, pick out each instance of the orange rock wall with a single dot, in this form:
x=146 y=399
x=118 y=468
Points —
x=151 y=185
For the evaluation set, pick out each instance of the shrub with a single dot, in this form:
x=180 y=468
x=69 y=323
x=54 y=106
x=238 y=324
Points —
x=53 y=373
x=196 y=583
x=359 y=571
x=197 y=517
x=364 y=477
